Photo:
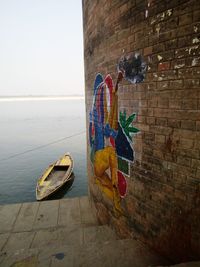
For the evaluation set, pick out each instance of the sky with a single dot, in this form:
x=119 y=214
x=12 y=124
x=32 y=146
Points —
x=41 y=47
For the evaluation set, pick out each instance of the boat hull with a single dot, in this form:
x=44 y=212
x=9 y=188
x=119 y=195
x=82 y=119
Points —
x=55 y=176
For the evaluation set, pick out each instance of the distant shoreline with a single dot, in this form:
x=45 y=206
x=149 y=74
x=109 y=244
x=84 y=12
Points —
x=40 y=98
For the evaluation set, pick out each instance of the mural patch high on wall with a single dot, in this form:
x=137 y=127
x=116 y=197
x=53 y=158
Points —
x=110 y=132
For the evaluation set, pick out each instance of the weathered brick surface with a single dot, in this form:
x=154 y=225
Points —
x=162 y=207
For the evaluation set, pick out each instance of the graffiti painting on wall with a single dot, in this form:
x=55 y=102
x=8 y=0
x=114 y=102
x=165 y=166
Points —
x=110 y=132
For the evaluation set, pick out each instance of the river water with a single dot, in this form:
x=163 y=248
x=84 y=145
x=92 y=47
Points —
x=35 y=132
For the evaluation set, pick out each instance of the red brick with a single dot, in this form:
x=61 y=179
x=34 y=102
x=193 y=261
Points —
x=148 y=50
x=176 y=104
x=178 y=64
x=189 y=104
x=153 y=102
x=160 y=138
x=176 y=84
x=174 y=123
x=186 y=143
x=185 y=161
x=196 y=163
x=184 y=41
x=161 y=121
x=191 y=83
x=163 y=66
x=188 y=124
x=196 y=15
x=198 y=125
x=185 y=19
x=150 y=120
x=158 y=48
x=163 y=103
x=163 y=85
x=171 y=44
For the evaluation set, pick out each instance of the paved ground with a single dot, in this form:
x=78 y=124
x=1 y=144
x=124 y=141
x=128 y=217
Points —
x=29 y=226
x=65 y=233
x=47 y=214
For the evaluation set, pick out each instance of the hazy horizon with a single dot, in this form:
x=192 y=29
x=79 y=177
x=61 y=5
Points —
x=43 y=95
x=41 y=48
x=26 y=98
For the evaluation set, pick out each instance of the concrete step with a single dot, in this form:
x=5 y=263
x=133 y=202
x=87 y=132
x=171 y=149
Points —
x=116 y=253
x=56 y=237
x=44 y=215
x=64 y=233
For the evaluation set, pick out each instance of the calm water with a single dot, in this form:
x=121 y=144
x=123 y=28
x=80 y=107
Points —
x=25 y=125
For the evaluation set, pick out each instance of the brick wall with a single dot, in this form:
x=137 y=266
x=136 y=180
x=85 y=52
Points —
x=162 y=203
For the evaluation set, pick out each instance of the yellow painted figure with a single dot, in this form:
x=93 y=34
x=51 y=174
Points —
x=102 y=132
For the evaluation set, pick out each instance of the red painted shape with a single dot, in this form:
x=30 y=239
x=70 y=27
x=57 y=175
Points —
x=98 y=102
x=109 y=83
x=122 y=184
x=93 y=132
x=164 y=66
x=112 y=141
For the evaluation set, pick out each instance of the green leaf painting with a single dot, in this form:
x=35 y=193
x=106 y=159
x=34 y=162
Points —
x=126 y=124
x=133 y=130
x=130 y=119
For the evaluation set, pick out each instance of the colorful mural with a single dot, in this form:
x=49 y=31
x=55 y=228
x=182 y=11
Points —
x=110 y=137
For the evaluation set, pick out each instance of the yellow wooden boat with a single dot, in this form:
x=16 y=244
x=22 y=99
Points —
x=55 y=176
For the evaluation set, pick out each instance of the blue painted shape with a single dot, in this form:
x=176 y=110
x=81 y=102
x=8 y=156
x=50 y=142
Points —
x=97 y=141
x=97 y=82
x=60 y=256
x=109 y=132
x=123 y=147
x=99 y=137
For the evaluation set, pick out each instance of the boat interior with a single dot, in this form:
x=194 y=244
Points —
x=57 y=174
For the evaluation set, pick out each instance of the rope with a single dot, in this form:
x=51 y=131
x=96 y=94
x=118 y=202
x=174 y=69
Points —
x=42 y=146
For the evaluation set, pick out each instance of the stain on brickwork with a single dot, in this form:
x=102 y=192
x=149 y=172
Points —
x=161 y=207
